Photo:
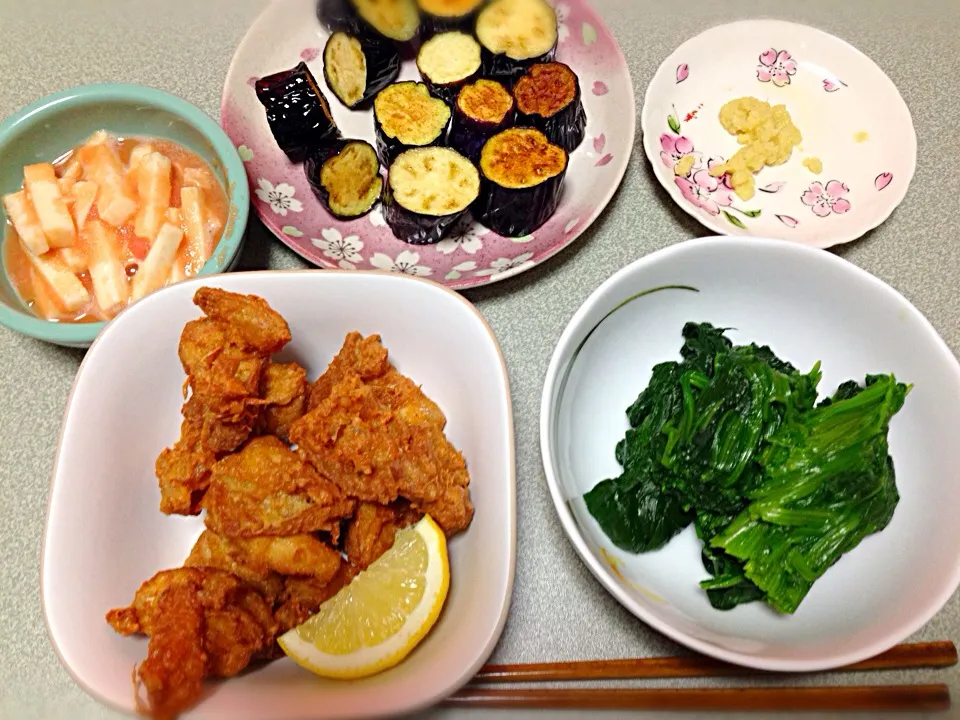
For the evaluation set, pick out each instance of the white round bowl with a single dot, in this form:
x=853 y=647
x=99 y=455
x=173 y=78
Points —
x=807 y=305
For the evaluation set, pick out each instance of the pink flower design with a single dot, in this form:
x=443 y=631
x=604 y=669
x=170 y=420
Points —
x=788 y=221
x=723 y=180
x=600 y=88
x=825 y=200
x=882 y=180
x=600 y=142
x=310 y=54
x=605 y=160
x=704 y=191
x=683 y=72
x=776 y=66
x=674 y=148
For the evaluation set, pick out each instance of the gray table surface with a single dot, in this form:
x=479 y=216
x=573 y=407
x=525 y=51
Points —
x=185 y=46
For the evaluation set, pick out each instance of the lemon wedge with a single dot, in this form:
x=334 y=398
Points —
x=374 y=622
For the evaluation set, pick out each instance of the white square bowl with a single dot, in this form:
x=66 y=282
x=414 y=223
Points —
x=105 y=533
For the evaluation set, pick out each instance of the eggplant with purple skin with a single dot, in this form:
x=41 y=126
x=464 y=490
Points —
x=447 y=62
x=522 y=181
x=406 y=116
x=345 y=177
x=481 y=111
x=297 y=112
x=396 y=20
x=428 y=190
x=439 y=16
x=548 y=98
x=516 y=34
x=357 y=67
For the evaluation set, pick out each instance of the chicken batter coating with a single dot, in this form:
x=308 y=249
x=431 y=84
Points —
x=266 y=489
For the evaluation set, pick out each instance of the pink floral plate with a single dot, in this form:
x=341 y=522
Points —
x=288 y=31
x=851 y=116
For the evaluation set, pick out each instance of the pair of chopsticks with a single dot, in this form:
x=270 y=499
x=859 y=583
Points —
x=931 y=697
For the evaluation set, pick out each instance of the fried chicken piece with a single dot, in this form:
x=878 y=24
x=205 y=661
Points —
x=266 y=489
x=373 y=529
x=283 y=387
x=348 y=439
x=215 y=551
x=261 y=327
x=201 y=622
x=379 y=437
x=176 y=662
x=302 y=597
x=184 y=472
x=365 y=357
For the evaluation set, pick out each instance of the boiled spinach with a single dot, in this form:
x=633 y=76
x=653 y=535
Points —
x=731 y=438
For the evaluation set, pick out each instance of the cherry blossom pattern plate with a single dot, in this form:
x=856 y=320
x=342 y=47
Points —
x=288 y=31
x=852 y=118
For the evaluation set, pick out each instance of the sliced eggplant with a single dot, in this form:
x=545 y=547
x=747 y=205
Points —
x=548 y=98
x=482 y=110
x=447 y=62
x=522 y=180
x=439 y=16
x=428 y=190
x=396 y=20
x=357 y=67
x=345 y=176
x=406 y=116
x=297 y=112
x=516 y=34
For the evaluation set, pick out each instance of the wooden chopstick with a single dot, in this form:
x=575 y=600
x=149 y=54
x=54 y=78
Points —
x=914 y=655
x=864 y=698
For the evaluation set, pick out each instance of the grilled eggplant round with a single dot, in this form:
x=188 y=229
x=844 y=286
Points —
x=516 y=34
x=548 y=98
x=439 y=16
x=447 y=62
x=481 y=111
x=522 y=181
x=357 y=67
x=406 y=116
x=297 y=112
x=396 y=20
x=428 y=190
x=345 y=176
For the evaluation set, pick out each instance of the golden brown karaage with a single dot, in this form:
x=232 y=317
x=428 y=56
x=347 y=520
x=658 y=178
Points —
x=371 y=458
x=379 y=438
x=283 y=387
x=224 y=355
x=202 y=623
x=266 y=489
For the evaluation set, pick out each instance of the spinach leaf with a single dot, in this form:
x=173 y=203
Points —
x=828 y=483
x=635 y=513
x=779 y=487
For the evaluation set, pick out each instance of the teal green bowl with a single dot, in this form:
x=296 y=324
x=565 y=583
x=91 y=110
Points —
x=50 y=127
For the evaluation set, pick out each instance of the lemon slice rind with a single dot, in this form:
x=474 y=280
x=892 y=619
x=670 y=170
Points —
x=374 y=659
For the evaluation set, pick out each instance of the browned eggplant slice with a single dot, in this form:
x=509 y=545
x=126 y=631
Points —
x=345 y=176
x=516 y=34
x=428 y=190
x=396 y=20
x=297 y=112
x=481 y=111
x=439 y=16
x=522 y=181
x=548 y=98
x=357 y=67
x=447 y=62
x=405 y=116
